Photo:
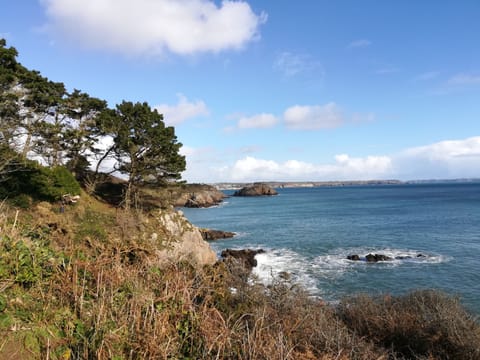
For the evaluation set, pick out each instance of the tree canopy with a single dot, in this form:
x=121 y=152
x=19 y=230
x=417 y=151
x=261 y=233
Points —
x=40 y=119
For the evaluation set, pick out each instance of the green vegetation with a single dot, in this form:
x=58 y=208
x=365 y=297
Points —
x=41 y=120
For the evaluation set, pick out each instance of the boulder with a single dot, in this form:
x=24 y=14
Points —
x=377 y=257
x=369 y=257
x=245 y=256
x=257 y=189
x=212 y=235
x=177 y=239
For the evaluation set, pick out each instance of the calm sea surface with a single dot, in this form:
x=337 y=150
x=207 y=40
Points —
x=309 y=232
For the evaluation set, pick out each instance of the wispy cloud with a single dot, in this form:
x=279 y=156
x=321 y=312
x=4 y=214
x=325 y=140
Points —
x=360 y=43
x=387 y=70
x=5 y=35
x=291 y=64
x=183 y=110
x=314 y=117
x=464 y=79
x=260 y=121
x=257 y=121
x=429 y=75
x=145 y=27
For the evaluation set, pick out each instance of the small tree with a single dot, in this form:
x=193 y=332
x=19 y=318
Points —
x=145 y=149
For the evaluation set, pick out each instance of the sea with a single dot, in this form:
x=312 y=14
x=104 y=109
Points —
x=431 y=231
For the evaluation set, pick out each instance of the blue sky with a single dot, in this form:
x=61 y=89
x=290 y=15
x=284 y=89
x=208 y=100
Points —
x=277 y=90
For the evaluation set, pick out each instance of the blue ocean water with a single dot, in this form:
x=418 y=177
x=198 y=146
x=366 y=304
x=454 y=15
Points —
x=310 y=231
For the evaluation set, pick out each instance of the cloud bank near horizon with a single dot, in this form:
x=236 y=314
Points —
x=144 y=27
x=442 y=160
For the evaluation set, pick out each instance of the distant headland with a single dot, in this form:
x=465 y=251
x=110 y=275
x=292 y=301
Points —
x=338 y=183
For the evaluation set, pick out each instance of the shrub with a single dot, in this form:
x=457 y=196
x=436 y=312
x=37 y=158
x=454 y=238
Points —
x=421 y=324
x=39 y=182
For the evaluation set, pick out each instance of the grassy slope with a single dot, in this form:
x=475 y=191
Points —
x=84 y=284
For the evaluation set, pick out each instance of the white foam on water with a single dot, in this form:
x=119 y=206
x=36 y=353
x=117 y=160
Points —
x=309 y=272
x=398 y=257
x=241 y=234
x=272 y=263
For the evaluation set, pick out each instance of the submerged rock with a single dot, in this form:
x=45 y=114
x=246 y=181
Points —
x=377 y=257
x=370 y=257
x=257 y=189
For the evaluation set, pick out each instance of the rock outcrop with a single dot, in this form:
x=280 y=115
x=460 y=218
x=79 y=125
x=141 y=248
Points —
x=377 y=257
x=370 y=258
x=257 y=189
x=245 y=256
x=180 y=240
x=212 y=235
x=199 y=196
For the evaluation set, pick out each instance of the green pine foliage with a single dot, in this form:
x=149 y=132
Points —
x=38 y=182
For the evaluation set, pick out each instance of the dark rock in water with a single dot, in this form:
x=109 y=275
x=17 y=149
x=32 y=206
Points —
x=377 y=257
x=354 y=257
x=246 y=256
x=402 y=257
x=256 y=189
x=212 y=235
x=421 y=256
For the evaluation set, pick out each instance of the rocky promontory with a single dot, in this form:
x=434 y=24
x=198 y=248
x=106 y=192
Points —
x=183 y=195
x=257 y=189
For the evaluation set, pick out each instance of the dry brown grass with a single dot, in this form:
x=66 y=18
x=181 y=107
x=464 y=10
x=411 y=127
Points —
x=427 y=324
x=106 y=297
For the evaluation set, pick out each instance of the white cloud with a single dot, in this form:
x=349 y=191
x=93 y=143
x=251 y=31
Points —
x=326 y=116
x=290 y=64
x=345 y=167
x=444 y=159
x=361 y=43
x=182 y=111
x=441 y=160
x=464 y=79
x=146 y=27
x=262 y=121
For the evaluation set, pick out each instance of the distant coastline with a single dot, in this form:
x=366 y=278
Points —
x=340 y=183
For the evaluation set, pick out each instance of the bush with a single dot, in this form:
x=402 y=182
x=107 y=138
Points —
x=421 y=324
x=39 y=182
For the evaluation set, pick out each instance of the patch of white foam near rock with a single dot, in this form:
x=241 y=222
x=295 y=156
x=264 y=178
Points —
x=273 y=263
x=309 y=272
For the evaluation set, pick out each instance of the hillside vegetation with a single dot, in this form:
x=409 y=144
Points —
x=87 y=283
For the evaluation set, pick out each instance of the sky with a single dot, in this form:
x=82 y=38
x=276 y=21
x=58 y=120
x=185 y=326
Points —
x=311 y=90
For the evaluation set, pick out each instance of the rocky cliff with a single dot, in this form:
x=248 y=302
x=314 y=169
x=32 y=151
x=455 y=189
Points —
x=180 y=239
